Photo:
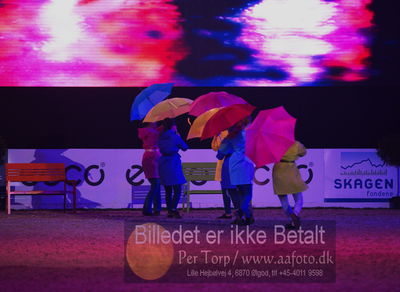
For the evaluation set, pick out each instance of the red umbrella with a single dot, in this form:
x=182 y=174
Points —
x=269 y=136
x=213 y=100
x=226 y=118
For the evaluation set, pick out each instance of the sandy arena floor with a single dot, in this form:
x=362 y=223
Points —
x=56 y=251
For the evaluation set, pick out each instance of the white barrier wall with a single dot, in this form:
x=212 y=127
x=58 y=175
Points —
x=112 y=178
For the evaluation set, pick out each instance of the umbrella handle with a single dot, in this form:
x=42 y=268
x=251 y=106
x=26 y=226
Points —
x=188 y=120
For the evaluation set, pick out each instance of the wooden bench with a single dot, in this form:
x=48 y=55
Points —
x=38 y=172
x=198 y=171
x=139 y=194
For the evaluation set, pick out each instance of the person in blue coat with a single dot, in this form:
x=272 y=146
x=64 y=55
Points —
x=170 y=166
x=229 y=192
x=241 y=170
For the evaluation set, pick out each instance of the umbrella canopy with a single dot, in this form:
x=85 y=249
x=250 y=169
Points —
x=269 y=136
x=212 y=100
x=199 y=123
x=169 y=108
x=148 y=98
x=226 y=118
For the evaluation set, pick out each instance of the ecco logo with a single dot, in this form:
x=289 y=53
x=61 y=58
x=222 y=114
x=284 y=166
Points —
x=130 y=177
x=310 y=172
x=136 y=170
x=88 y=174
x=267 y=169
x=88 y=170
x=132 y=174
x=264 y=182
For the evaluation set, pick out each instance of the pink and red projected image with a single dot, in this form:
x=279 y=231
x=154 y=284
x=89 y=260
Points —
x=189 y=43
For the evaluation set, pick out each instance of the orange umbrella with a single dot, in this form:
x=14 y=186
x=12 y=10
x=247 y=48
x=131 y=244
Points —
x=169 y=108
x=226 y=118
x=199 y=123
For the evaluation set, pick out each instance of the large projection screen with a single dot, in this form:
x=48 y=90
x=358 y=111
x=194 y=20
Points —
x=135 y=43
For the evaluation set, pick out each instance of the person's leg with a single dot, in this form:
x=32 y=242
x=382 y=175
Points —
x=285 y=204
x=175 y=200
x=157 y=196
x=295 y=220
x=168 y=198
x=298 y=203
x=235 y=197
x=148 y=201
x=246 y=192
x=227 y=204
x=176 y=197
x=238 y=213
x=146 y=204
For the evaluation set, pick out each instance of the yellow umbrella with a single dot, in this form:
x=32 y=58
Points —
x=198 y=125
x=169 y=108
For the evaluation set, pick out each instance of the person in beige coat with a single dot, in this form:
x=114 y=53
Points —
x=287 y=180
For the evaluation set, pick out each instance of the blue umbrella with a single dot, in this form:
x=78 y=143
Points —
x=148 y=98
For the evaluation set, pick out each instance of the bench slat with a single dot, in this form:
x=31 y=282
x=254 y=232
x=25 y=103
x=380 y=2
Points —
x=36 y=192
x=209 y=192
x=35 y=165
x=35 y=178
x=16 y=172
x=199 y=171
x=38 y=172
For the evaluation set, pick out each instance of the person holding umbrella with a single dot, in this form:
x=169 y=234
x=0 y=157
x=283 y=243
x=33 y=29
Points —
x=170 y=165
x=271 y=139
x=241 y=170
x=149 y=134
x=287 y=180
x=229 y=192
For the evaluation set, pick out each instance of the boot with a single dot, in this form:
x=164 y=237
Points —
x=249 y=221
x=295 y=221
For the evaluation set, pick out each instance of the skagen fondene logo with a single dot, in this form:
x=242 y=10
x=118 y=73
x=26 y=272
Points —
x=366 y=173
x=93 y=175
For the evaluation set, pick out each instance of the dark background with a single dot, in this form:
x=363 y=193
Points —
x=328 y=117
x=340 y=115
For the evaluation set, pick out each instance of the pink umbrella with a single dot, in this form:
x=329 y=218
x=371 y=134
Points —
x=269 y=136
x=213 y=100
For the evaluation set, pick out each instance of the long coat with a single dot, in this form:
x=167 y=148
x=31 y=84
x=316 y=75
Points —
x=169 y=164
x=151 y=155
x=241 y=169
x=215 y=144
x=285 y=174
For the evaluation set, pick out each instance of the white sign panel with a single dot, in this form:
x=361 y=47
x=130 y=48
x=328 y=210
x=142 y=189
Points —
x=113 y=178
x=354 y=175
